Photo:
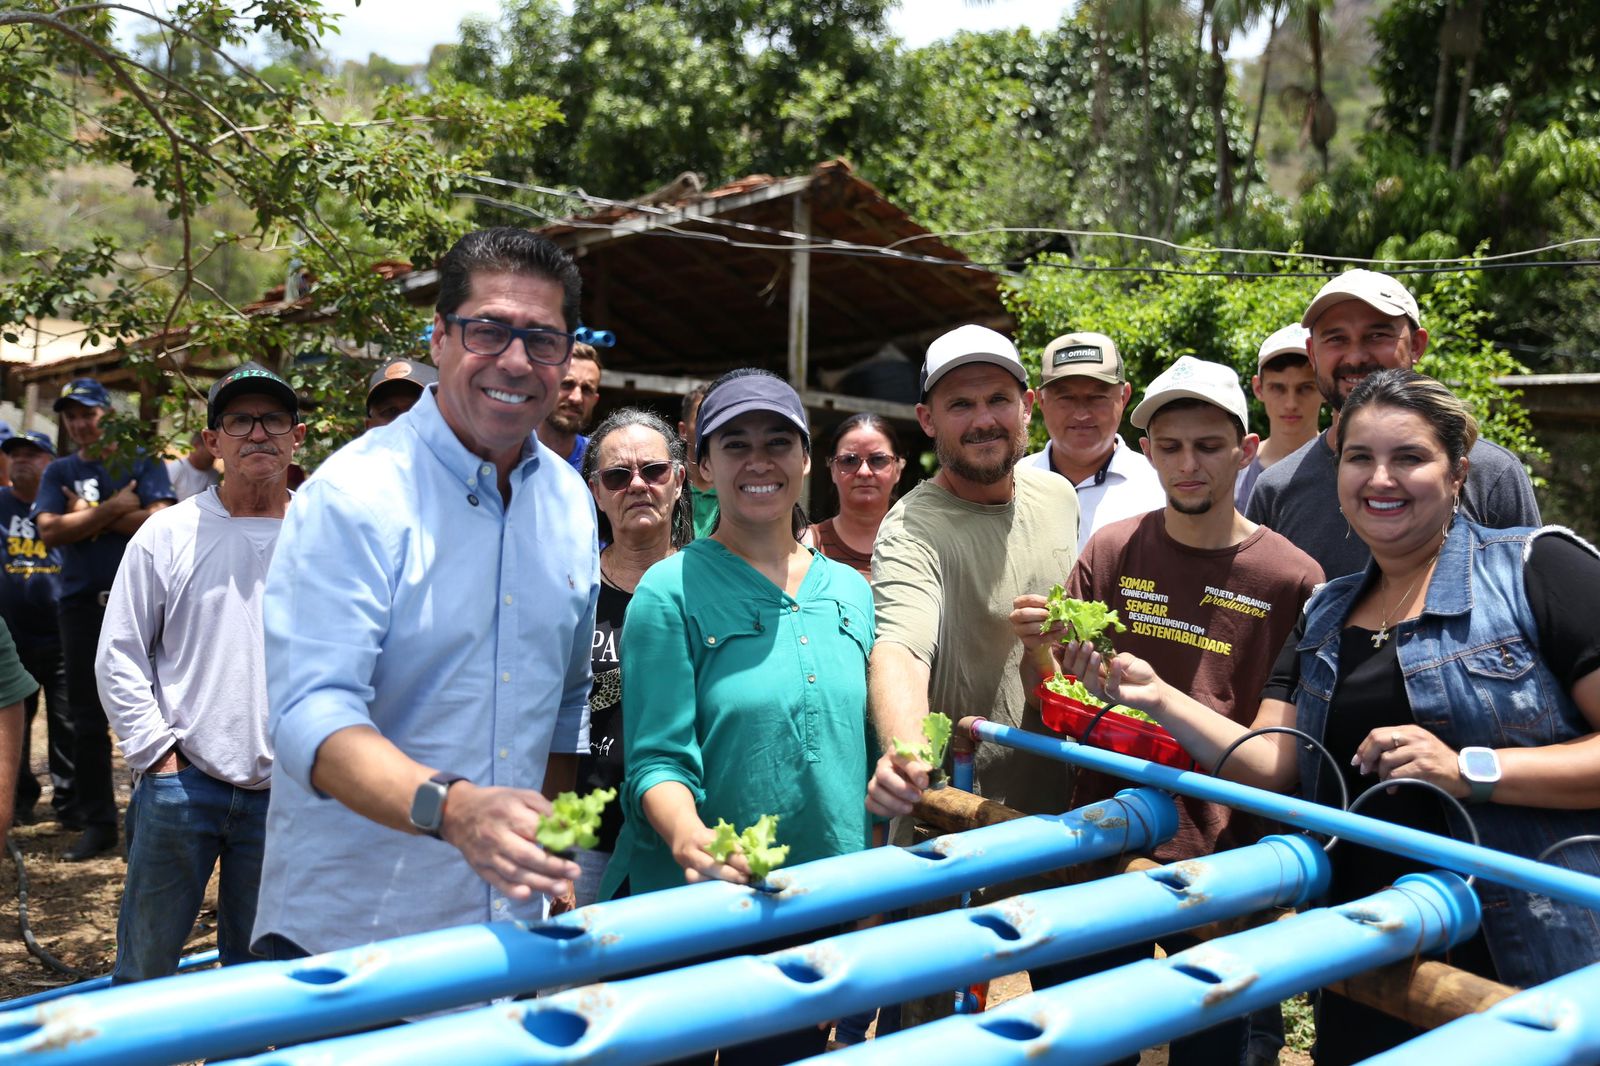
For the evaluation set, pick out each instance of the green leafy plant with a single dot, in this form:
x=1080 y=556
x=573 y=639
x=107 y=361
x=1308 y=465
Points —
x=935 y=740
x=573 y=821
x=758 y=844
x=1087 y=620
x=1074 y=689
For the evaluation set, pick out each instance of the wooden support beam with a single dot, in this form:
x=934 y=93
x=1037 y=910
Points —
x=800 y=294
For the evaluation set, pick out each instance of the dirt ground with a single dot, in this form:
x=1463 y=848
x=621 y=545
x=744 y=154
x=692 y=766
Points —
x=72 y=910
x=71 y=906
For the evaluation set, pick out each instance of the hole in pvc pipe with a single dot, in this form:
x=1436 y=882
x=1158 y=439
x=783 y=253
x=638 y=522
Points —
x=559 y=1028
x=1173 y=877
x=927 y=851
x=799 y=970
x=557 y=932
x=319 y=975
x=1199 y=973
x=1012 y=1028
x=1540 y=1025
x=17 y=1031
x=997 y=925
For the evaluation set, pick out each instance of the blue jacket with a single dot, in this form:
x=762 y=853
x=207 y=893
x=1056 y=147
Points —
x=1474 y=676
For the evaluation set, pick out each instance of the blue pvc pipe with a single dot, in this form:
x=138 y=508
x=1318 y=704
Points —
x=197 y=961
x=1498 y=866
x=686 y=1012
x=240 y=1009
x=1115 y=1014
x=1553 y=1024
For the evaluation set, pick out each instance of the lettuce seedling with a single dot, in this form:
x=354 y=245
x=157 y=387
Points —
x=1086 y=620
x=1076 y=690
x=725 y=844
x=573 y=821
x=758 y=844
x=762 y=853
x=935 y=739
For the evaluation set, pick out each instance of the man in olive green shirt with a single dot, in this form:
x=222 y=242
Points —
x=949 y=559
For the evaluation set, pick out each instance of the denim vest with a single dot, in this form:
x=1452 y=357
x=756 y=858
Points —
x=1474 y=676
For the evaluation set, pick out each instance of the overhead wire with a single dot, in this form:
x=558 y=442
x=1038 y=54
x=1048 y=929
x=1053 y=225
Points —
x=810 y=243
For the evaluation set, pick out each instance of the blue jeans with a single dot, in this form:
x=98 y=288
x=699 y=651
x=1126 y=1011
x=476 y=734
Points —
x=179 y=826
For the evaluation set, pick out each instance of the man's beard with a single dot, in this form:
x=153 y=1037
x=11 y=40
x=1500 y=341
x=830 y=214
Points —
x=982 y=474
x=1330 y=391
x=566 y=420
x=1201 y=506
x=27 y=483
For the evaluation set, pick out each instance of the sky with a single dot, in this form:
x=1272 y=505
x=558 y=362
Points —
x=406 y=30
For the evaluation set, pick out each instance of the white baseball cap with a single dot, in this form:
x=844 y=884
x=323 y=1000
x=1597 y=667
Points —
x=1191 y=378
x=1376 y=290
x=966 y=345
x=1290 y=340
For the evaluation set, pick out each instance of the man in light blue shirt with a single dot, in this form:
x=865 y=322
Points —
x=428 y=618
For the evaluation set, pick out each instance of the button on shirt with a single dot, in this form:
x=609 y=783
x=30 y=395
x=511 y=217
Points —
x=407 y=596
x=1130 y=487
x=752 y=699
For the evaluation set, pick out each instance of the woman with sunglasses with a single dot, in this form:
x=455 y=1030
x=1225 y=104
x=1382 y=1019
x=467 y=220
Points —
x=634 y=466
x=866 y=464
x=744 y=671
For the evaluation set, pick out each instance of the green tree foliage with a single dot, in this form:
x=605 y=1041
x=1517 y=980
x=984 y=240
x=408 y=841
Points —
x=194 y=128
x=1155 y=317
x=651 y=88
x=1533 y=63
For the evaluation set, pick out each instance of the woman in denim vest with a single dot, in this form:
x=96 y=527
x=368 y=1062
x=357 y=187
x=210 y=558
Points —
x=1462 y=656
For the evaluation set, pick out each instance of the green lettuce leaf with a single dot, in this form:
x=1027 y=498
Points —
x=1086 y=620
x=573 y=821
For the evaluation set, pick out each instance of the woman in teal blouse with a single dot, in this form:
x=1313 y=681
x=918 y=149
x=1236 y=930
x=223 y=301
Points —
x=744 y=665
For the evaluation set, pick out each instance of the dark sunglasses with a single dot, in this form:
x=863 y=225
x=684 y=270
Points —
x=850 y=461
x=617 y=478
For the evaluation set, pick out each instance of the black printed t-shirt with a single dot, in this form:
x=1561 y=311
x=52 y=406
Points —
x=602 y=766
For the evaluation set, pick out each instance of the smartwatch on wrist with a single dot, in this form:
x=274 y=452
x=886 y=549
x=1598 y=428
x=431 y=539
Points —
x=1480 y=769
x=427 y=805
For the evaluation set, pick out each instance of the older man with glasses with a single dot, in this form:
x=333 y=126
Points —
x=183 y=677
x=429 y=615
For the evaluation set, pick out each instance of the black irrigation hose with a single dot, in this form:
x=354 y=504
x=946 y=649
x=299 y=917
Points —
x=1586 y=838
x=36 y=949
x=1417 y=782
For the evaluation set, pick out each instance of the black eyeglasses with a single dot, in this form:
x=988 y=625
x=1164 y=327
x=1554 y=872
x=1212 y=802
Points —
x=617 y=478
x=850 y=461
x=485 y=336
x=240 y=424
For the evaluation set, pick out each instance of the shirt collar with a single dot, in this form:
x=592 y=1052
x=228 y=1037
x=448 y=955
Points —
x=428 y=422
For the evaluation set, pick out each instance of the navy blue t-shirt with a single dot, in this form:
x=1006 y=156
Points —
x=89 y=566
x=30 y=576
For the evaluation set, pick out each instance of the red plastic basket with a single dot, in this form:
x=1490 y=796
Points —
x=1113 y=732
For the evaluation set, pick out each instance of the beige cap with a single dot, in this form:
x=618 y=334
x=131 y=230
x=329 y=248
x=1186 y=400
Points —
x=966 y=345
x=1376 y=290
x=1191 y=378
x=1089 y=355
x=1290 y=340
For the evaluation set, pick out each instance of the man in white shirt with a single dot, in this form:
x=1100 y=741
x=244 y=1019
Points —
x=192 y=474
x=1083 y=390
x=183 y=679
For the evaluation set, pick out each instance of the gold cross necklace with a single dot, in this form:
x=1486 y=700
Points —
x=1383 y=633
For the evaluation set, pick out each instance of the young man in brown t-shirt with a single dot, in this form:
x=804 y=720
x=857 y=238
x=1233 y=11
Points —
x=1208 y=597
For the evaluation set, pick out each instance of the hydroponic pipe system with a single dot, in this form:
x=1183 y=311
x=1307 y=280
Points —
x=1111 y=1015
x=241 y=1009
x=670 y=1015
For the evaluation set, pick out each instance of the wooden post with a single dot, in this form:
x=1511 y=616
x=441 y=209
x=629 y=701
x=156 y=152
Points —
x=800 y=311
x=800 y=293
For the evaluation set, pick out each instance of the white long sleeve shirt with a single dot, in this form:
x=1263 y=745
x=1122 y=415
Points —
x=182 y=656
